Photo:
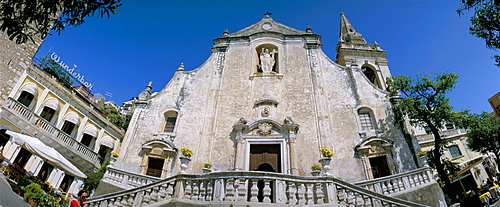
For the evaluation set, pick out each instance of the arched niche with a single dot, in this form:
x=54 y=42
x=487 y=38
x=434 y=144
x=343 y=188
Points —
x=267 y=59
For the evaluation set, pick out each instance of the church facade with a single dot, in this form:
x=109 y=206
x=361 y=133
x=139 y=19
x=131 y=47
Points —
x=267 y=99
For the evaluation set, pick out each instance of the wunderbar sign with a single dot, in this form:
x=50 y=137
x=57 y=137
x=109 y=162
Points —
x=71 y=71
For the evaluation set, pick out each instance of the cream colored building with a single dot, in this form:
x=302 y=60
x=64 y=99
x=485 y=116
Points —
x=474 y=166
x=62 y=117
x=267 y=99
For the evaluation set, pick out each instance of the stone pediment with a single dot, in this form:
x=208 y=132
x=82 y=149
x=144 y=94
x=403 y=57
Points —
x=374 y=145
x=267 y=24
x=159 y=144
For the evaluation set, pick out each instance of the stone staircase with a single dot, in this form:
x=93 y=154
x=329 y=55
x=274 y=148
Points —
x=260 y=189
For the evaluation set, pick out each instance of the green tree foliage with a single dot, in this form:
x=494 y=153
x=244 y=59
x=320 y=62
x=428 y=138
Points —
x=33 y=191
x=93 y=178
x=485 y=22
x=54 y=68
x=25 y=19
x=425 y=103
x=483 y=132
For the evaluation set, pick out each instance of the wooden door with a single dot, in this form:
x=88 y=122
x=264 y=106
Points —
x=265 y=157
x=379 y=166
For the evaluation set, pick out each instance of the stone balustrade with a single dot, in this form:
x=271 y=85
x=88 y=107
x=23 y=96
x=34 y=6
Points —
x=53 y=132
x=126 y=179
x=394 y=184
x=245 y=188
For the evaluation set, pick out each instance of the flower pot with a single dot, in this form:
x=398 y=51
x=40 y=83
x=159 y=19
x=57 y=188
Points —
x=184 y=162
x=206 y=170
x=315 y=172
x=325 y=163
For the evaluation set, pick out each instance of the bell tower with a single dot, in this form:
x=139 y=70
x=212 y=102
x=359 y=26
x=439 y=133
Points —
x=353 y=51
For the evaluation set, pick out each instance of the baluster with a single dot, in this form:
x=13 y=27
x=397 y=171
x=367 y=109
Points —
x=229 y=190
x=420 y=178
x=389 y=187
x=267 y=191
x=309 y=193
x=242 y=190
x=301 y=193
x=342 y=196
x=196 y=190
x=147 y=197
x=412 y=182
x=188 y=190
x=254 y=190
x=162 y=193
x=154 y=196
x=203 y=186
x=319 y=195
x=170 y=190
x=209 y=190
x=400 y=184
x=291 y=193
x=118 y=202
x=384 y=188
x=124 y=200
x=130 y=200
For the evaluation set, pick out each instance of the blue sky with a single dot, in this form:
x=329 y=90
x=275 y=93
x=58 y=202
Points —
x=150 y=38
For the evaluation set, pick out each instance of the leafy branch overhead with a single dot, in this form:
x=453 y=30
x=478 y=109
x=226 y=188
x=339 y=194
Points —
x=485 y=22
x=24 y=19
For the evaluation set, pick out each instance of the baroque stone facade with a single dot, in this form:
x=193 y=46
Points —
x=267 y=99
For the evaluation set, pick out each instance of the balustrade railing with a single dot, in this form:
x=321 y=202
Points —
x=225 y=188
x=126 y=179
x=398 y=183
x=54 y=132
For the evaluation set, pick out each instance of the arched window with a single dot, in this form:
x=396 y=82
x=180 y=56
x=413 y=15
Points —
x=267 y=59
x=371 y=75
x=26 y=98
x=366 y=119
x=89 y=136
x=29 y=92
x=170 y=120
x=50 y=107
x=70 y=122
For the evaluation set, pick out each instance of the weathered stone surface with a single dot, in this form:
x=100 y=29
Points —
x=322 y=97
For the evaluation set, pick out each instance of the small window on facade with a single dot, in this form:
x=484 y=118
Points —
x=366 y=120
x=454 y=151
x=26 y=98
x=68 y=127
x=170 y=120
x=47 y=113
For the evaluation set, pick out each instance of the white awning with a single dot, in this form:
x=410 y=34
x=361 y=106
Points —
x=49 y=154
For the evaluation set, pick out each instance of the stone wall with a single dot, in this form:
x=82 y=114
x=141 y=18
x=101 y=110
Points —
x=14 y=59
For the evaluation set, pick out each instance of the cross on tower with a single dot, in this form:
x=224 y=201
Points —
x=267 y=13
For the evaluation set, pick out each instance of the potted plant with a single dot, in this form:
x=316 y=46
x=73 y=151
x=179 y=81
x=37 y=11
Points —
x=32 y=194
x=326 y=152
x=185 y=158
x=207 y=167
x=326 y=159
x=316 y=169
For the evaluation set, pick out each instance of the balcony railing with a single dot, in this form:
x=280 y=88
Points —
x=54 y=133
x=225 y=188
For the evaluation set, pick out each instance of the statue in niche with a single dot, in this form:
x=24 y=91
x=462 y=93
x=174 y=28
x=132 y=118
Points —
x=267 y=60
